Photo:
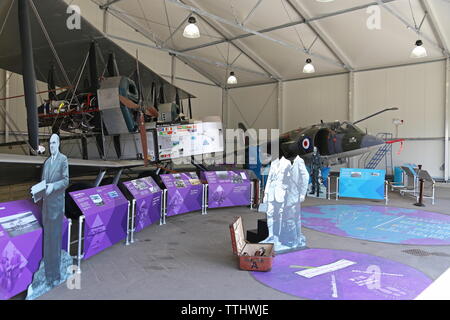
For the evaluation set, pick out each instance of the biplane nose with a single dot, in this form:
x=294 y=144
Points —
x=371 y=141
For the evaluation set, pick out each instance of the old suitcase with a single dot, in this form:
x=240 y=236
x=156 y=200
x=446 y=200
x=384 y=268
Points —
x=248 y=252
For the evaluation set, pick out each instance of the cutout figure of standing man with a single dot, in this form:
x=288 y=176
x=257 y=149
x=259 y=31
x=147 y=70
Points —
x=56 y=176
x=55 y=267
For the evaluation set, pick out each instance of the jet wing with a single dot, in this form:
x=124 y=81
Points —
x=19 y=168
x=72 y=47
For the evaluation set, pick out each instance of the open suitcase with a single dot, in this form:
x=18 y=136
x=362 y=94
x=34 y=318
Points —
x=246 y=252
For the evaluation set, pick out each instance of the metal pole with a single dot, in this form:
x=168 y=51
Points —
x=6 y=118
x=29 y=76
x=80 y=236
x=337 y=189
x=127 y=241
x=446 y=118
x=68 y=235
x=133 y=213
x=280 y=106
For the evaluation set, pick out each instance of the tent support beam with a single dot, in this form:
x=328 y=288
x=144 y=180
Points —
x=321 y=35
x=287 y=25
x=256 y=60
x=437 y=29
x=264 y=36
x=411 y=27
x=154 y=39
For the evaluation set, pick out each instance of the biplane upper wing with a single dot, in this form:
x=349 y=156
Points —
x=71 y=46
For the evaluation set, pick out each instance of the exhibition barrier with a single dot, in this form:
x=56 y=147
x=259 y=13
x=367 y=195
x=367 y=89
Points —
x=145 y=205
x=105 y=215
x=184 y=193
x=228 y=188
x=21 y=237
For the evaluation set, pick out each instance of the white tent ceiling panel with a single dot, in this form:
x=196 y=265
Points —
x=441 y=10
x=221 y=75
x=227 y=55
x=232 y=10
x=390 y=45
x=318 y=9
x=288 y=61
x=271 y=13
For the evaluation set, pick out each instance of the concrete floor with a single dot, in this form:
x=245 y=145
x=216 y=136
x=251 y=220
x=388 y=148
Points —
x=191 y=258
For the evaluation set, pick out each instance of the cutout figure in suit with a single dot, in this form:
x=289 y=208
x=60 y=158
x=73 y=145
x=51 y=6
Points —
x=56 y=175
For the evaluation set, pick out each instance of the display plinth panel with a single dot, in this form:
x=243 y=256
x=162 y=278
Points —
x=20 y=245
x=105 y=209
x=147 y=194
x=184 y=192
x=228 y=188
x=362 y=183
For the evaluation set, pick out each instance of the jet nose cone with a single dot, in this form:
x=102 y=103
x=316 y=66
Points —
x=370 y=141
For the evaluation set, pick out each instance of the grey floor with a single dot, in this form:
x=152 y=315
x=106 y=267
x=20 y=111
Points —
x=190 y=258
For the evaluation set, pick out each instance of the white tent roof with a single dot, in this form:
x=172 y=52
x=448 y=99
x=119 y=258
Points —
x=264 y=41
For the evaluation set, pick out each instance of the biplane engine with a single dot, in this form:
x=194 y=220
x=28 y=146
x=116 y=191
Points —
x=117 y=118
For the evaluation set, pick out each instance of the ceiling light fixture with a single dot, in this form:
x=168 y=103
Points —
x=191 y=31
x=419 y=51
x=309 y=67
x=232 y=78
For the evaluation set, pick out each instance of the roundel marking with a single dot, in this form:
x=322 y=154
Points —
x=305 y=143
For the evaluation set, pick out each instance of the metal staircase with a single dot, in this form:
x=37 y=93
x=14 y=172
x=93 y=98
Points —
x=382 y=153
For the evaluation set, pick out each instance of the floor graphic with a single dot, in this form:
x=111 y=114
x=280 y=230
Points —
x=325 y=274
x=379 y=223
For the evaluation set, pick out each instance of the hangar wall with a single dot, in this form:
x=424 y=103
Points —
x=255 y=107
x=417 y=90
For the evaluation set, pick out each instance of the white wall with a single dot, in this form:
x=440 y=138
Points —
x=308 y=101
x=419 y=93
x=255 y=107
x=417 y=90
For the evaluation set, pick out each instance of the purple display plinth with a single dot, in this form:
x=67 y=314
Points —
x=184 y=192
x=379 y=223
x=227 y=188
x=148 y=201
x=369 y=278
x=20 y=245
x=105 y=209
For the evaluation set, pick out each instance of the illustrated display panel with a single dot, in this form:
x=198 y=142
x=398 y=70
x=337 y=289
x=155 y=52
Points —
x=21 y=237
x=228 y=188
x=105 y=209
x=148 y=201
x=189 y=139
x=362 y=183
x=184 y=192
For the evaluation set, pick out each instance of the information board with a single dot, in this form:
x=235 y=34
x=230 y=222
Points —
x=362 y=183
x=105 y=209
x=189 y=139
x=147 y=194
x=228 y=188
x=184 y=192
x=21 y=237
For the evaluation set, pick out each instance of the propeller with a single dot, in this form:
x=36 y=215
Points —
x=148 y=110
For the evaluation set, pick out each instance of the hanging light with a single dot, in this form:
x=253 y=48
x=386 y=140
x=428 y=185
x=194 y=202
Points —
x=309 y=67
x=419 y=51
x=232 y=78
x=191 y=31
